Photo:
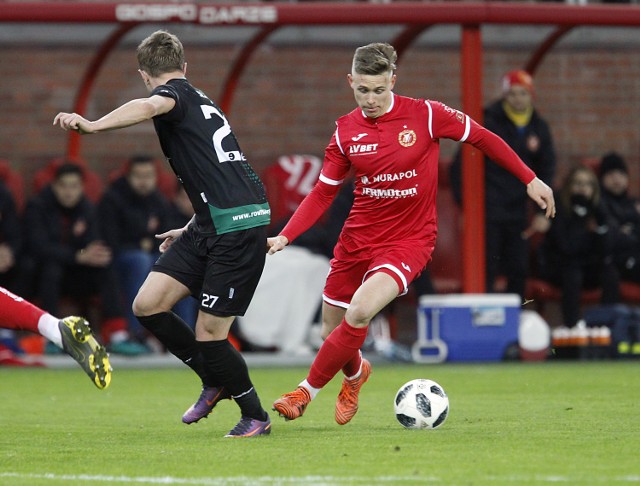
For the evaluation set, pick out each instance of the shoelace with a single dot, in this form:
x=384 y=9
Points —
x=242 y=427
x=349 y=394
x=299 y=398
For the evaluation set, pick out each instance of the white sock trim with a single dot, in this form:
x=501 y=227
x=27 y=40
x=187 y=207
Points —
x=48 y=327
x=312 y=391
x=242 y=394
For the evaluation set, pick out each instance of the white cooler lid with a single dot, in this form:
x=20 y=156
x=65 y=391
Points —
x=470 y=300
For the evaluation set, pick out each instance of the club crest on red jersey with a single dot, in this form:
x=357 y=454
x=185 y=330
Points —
x=407 y=138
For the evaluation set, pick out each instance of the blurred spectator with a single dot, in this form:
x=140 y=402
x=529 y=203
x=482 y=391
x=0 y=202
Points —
x=132 y=211
x=68 y=259
x=10 y=237
x=517 y=122
x=623 y=214
x=10 y=243
x=576 y=252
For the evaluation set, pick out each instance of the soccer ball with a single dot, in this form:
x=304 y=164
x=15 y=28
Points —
x=421 y=404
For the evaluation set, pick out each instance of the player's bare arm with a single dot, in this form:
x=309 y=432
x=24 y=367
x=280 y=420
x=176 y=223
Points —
x=131 y=113
x=543 y=196
x=276 y=244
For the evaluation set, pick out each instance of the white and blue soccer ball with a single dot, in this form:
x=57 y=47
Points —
x=421 y=404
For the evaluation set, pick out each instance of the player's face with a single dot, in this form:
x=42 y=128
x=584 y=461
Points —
x=68 y=190
x=372 y=92
x=142 y=178
x=519 y=98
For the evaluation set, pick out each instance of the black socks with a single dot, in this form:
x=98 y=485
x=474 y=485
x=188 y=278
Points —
x=217 y=363
x=178 y=338
x=225 y=366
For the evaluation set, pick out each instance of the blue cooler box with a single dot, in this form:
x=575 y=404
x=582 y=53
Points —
x=466 y=327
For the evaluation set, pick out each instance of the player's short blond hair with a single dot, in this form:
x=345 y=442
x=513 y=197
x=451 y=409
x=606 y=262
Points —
x=374 y=59
x=160 y=53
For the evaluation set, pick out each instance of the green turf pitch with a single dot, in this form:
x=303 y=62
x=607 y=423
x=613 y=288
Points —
x=568 y=423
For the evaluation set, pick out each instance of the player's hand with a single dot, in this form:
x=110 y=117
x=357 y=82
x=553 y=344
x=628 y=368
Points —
x=276 y=244
x=543 y=196
x=73 y=121
x=168 y=237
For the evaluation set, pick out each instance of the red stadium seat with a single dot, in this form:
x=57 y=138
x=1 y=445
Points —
x=630 y=292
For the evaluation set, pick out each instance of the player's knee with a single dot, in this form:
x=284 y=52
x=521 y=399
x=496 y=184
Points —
x=358 y=315
x=143 y=306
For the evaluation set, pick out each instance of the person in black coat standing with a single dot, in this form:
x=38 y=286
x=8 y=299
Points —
x=507 y=210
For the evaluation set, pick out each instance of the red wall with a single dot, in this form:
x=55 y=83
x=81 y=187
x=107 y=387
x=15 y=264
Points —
x=289 y=97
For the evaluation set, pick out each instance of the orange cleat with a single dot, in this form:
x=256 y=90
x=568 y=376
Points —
x=292 y=405
x=347 y=403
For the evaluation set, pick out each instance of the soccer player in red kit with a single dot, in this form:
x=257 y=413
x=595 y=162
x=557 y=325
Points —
x=391 y=143
x=72 y=334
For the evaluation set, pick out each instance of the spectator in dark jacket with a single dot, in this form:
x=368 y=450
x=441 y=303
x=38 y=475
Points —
x=10 y=243
x=10 y=237
x=576 y=251
x=68 y=257
x=132 y=211
x=624 y=216
x=508 y=226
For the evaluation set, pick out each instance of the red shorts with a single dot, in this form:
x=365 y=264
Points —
x=404 y=261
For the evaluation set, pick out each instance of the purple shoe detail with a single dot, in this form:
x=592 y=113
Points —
x=209 y=397
x=248 y=427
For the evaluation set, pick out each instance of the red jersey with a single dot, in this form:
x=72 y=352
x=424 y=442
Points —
x=395 y=161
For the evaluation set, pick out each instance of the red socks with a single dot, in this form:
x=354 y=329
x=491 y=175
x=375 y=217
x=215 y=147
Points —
x=17 y=313
x=353 y=365
x=341 y=348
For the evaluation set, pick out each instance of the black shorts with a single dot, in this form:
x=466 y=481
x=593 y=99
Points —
x=221 y=271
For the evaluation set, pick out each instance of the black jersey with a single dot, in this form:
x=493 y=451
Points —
x=226 y=194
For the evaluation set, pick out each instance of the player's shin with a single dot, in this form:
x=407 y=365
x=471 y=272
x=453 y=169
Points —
x=339 y=348
x=225 y=365
x=178 y=338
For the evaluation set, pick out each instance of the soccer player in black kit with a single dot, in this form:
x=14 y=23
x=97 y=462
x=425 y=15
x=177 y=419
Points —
x=219 y=256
